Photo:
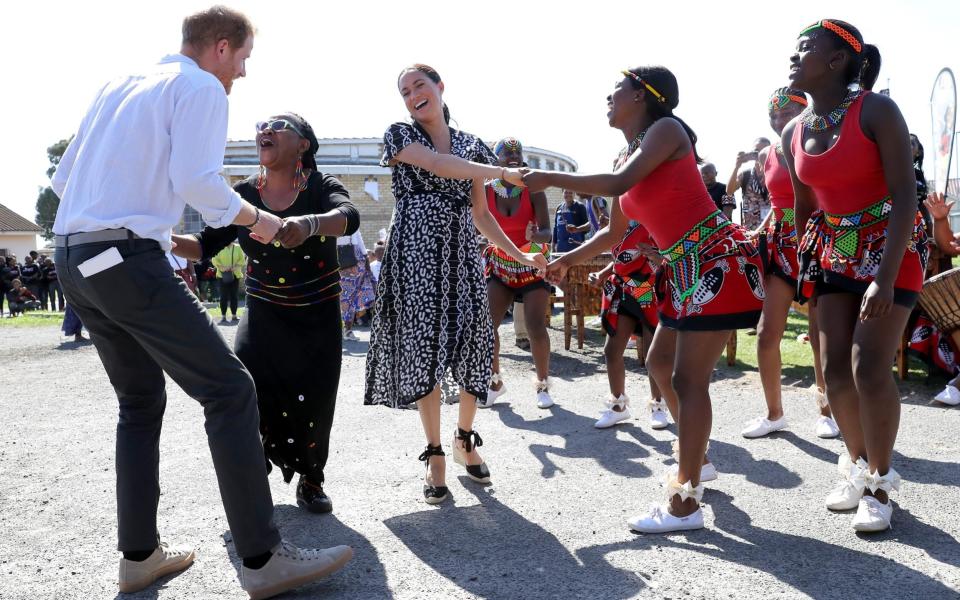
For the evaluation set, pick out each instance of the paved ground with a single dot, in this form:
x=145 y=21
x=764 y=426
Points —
x=551 y=526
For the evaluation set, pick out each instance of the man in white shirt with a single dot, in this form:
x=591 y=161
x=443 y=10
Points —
x=149 y=144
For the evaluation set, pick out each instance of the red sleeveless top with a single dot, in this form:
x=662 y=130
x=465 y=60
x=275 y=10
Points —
x=777 y=178
x=669 y=201
x=515 y=226
x=848 y=177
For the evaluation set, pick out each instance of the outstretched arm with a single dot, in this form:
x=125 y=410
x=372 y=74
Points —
x=665 y=140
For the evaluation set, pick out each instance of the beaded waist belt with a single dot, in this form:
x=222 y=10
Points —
x=684 y=257
x=787 y=216
x=867 y=217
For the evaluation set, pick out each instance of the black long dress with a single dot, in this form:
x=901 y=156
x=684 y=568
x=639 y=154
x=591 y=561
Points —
x=290 y=336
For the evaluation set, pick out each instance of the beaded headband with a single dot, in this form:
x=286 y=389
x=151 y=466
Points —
x=643 y=82
x=840 y=31
x=779 y=101
x=512 y=144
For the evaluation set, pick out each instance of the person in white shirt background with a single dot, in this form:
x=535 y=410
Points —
x=167 y=126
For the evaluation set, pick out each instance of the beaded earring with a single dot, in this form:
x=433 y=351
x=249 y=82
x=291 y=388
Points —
x=300 y=177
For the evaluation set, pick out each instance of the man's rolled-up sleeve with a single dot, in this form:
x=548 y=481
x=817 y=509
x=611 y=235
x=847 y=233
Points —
x=198 y=136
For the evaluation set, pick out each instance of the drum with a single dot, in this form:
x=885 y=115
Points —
x=940 y=298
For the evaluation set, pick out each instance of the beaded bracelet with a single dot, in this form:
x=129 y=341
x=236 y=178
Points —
x=255 y=221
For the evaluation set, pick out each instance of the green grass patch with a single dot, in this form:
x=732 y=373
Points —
x=34 y=318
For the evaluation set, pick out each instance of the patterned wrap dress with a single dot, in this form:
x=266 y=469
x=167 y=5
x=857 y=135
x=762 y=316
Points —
x=431 y=319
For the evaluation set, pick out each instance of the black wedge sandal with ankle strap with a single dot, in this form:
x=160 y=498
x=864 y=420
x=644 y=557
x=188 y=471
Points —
x=433 y=494
x=471 y=439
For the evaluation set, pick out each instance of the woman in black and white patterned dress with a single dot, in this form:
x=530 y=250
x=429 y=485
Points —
x=431 y=315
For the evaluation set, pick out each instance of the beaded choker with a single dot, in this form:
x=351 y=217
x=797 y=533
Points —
x=815 y=122
x=504 y=192
x=627 y=152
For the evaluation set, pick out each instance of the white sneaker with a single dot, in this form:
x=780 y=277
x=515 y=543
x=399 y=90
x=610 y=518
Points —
x=291 y=567
x=543 y=394
x=872 y=515
x=848 y=491
x=632 y=343
x=611 y=416
x=708 y=472
x=761 y=426
x=136 y=575
x=493 y=394
x=949 y=396
x=659 y=520
x=658 y=415
x=827 y=428
x=595 y=322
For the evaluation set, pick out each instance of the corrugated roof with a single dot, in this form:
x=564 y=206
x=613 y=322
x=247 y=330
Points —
x=11 y=221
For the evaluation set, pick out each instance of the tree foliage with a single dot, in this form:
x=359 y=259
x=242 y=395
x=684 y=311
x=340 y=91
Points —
x=47 y=200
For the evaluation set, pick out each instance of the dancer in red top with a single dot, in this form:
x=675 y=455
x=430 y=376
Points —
x=781 y=279
x=524 y=218
x=863 y=256
x=711 y=278
x=629 y=307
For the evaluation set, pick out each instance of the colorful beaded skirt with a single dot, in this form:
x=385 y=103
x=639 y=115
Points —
x=712 y=279
x=632 y=295
x=515 y=275
x=844 y=252
x=782 y=245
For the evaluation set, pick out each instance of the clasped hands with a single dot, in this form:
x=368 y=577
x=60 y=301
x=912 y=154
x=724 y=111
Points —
x=290 y=232
x=526 y=177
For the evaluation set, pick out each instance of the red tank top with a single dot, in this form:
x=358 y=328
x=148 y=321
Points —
x=669 y=201
x=515 y=226
x=848 y=177
x=777 y=177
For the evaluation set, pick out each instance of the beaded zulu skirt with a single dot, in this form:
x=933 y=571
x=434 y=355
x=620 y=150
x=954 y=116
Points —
x=516 y=276
x=782 y=245
x=712 y=279
x=630 y=289
x=843 y=253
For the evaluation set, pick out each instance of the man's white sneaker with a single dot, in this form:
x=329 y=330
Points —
x=493 y=394
x=658 y=415
x=950 y=396
x=659 y=520
x=827 y=428
x=872 y=515
x=618 y=410
x=632 y=343
x=543 y=394
x=136 y=575
x=762 y=426
x=291 y=567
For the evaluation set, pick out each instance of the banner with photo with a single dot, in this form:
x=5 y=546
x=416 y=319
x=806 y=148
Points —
x=943 y=115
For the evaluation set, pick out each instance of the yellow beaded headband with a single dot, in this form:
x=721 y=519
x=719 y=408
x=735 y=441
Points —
x=840 y=31
x=643 y=82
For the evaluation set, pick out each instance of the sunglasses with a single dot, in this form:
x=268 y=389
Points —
x=278 y=125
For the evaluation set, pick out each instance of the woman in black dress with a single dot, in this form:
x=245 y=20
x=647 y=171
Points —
x=289 y=338
x=431 y=314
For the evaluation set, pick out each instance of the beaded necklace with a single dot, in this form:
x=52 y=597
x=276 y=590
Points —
x=815 y=122
x=501 y=190
x=630 y=149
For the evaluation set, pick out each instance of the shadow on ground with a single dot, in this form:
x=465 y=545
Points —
x=491 y=551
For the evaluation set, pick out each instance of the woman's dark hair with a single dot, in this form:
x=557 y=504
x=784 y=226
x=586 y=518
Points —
x=308 y=158
x=918 y=159
x=433 y=76
x=864 y=66
x=665 y=83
